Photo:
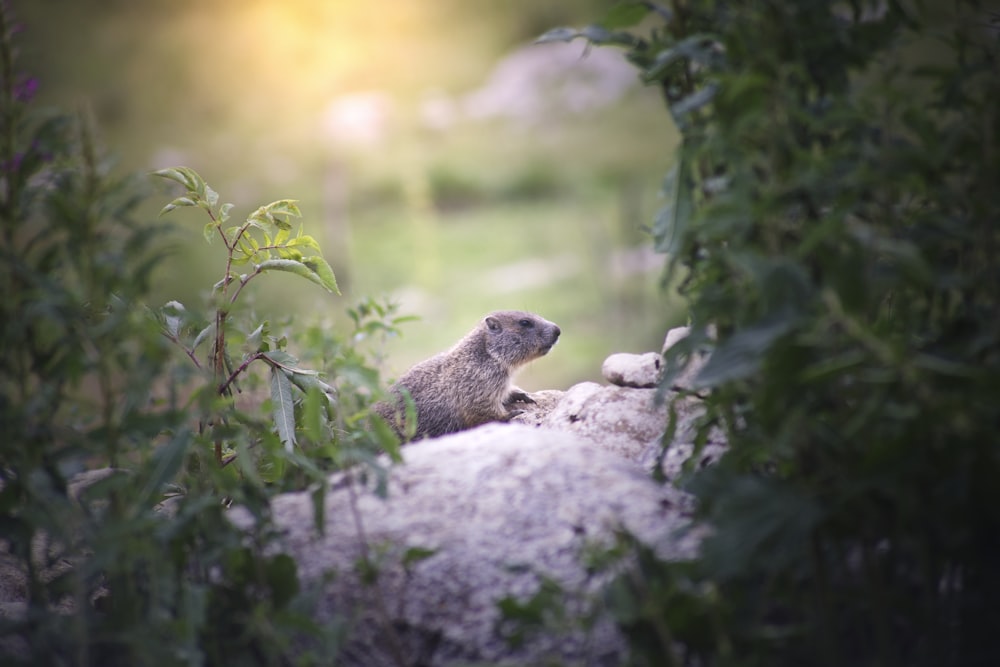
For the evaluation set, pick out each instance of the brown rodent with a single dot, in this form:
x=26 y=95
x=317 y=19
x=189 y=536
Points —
x=470 y=384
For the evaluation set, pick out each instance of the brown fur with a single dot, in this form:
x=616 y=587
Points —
x=470 y=384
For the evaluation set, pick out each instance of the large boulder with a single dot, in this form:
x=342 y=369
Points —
x=499 y=509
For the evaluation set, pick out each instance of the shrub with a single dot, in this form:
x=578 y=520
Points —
x=832 y=212
x=137 y=564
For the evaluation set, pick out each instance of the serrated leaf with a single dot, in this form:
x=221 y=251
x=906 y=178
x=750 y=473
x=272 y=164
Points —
x=211 y=196
x=283 y=407
x=209 y=231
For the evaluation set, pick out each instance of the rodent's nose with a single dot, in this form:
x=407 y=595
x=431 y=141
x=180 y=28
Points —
x=556 y=330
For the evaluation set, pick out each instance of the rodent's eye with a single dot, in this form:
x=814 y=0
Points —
x=526 y=323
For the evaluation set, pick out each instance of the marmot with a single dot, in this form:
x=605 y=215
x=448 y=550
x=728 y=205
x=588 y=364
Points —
x=470 y=384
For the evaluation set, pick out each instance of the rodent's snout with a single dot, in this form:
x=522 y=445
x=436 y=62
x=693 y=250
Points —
x=554 y=334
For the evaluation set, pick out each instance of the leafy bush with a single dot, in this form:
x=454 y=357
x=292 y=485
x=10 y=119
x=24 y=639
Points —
x=137 y=563
x=832 y=211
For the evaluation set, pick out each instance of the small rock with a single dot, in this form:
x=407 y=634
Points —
x=641 y=371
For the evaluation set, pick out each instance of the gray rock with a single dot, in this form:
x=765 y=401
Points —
x=633 y=370
x=500 y=507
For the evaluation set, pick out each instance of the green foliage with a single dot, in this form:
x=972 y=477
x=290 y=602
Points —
x=832 y=211
x=120 y=457
x=265 y=243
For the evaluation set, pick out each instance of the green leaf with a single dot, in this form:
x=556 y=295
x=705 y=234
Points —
x=252 y=344
x=282 y=406
x=202 y=335
x=323 y=271
x=385 y=437
x=558 y=35
x=304 y=240
x=415 y=555
x=284 y=207
x=209 y=231
x=298 y=268
x=166 y=462
x=699 y=48
x=673 y=219
x=313 y=411
x=742 y=354
x=186 y=176
x=180 y=201
x=173 y=316
x=282 y=578
x=693 y=102
x=224 y=212
x=599 y=35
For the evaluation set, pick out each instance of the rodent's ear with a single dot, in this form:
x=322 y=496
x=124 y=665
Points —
x=493 y=324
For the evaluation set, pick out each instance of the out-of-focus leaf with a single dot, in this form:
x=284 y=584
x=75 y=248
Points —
x=558 y=35
x=283 y=407
x=674 y=217
x=741 y=354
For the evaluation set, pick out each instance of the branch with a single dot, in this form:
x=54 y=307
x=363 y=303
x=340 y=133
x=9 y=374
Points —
x=249 y=360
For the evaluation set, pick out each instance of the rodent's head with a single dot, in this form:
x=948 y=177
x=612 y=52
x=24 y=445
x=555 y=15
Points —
x=515 y=337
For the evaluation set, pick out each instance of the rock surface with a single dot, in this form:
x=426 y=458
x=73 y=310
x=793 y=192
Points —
x=641 y=371
x=500 y=507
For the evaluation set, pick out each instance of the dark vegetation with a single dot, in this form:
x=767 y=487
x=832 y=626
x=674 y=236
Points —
x=833 y=213
x=141 y=567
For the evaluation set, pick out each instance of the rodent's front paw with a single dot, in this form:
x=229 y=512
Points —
x=518 y=397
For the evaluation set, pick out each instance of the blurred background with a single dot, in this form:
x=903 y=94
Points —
x=440 y=158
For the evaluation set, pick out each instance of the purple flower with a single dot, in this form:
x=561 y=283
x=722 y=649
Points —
x=25 y=89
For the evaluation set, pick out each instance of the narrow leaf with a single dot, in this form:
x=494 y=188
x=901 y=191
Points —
x=180 y=201
x=674 y=218
x=313 y=411
x=599 y=35
x=558 y=35
x=742 y=354
x=694 y=101
x=282 y=407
